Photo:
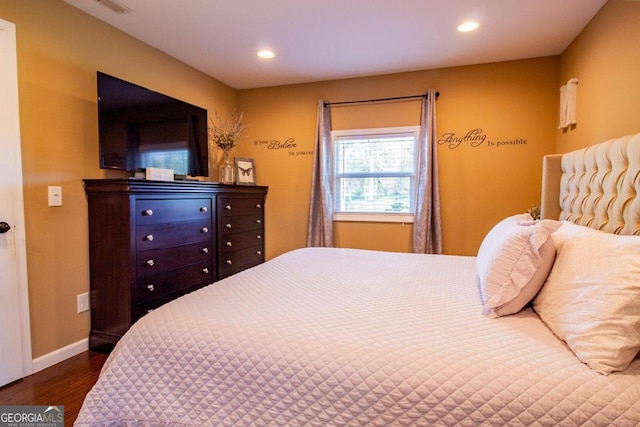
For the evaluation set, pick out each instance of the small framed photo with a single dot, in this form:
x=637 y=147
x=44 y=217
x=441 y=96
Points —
x=245 y=171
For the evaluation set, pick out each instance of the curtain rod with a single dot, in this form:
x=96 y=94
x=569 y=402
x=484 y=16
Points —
x=379 y=99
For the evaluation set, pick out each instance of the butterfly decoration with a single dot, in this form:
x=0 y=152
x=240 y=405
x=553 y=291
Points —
x=245 y=172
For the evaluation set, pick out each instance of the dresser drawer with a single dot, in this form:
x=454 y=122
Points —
x=238 y=241
x=155 y=236
x=235 y=261
x=155 y=286
x=164 y=259
x=232 y=206
x=240 y=224
x=139 y=310
x=156 y=211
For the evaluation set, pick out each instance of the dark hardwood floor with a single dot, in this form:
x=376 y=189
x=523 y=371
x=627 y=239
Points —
x=65 y=384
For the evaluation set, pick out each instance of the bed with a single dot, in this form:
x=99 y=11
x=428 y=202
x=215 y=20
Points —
x=333 y=337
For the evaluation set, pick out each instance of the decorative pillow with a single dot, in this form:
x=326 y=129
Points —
x=591 y=299
x=513 y=262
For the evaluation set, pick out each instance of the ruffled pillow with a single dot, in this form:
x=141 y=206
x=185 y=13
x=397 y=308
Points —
x=513 y=262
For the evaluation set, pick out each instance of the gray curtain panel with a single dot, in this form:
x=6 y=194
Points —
x=427 y=224
x=320 y=233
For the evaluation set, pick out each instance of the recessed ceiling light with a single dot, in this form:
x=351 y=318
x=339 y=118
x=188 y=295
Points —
x=266 y=54
x=468 y=26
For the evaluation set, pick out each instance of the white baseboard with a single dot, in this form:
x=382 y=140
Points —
x=59 y=355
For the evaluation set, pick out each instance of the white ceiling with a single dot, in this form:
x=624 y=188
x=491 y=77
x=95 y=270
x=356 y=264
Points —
x=318 y=40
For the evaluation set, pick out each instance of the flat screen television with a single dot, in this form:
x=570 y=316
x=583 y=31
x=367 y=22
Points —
x=139 y=128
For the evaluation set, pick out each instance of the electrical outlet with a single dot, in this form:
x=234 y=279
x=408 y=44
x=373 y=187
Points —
x=83 y=302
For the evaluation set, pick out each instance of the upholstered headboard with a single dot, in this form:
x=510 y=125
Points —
x=596 y=186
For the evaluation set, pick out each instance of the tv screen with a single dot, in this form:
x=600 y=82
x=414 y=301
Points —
x=139 y=128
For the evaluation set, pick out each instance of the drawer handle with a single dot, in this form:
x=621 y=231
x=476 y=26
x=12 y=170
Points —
x=228 y=207
x=259 y=237
x=150 y=262
x=205 y=250
x=227 y=225
x=205 y=270
x=258 y=206
x=148 y=237
x=258 y=221
x=148 y=212
x=229 y=244
x=204 y=209
x=204 y=230
x=229 y=262
x=258 y=252
x=151 y=288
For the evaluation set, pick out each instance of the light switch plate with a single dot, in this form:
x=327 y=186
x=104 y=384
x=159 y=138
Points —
x=55 y=196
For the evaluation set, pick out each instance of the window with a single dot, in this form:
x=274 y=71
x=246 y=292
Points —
x=375 y=174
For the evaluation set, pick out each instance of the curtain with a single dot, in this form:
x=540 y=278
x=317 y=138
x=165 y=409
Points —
x=320 y=233
x=427 y=226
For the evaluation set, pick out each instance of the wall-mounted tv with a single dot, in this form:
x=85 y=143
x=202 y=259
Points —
x=140 y=128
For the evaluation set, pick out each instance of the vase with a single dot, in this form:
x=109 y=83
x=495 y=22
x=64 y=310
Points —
x=227 y=175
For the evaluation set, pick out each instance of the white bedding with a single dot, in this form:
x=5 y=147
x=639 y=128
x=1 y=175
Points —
x=348 y=337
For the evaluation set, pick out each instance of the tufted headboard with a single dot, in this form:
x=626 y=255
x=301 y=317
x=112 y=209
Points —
x=596 y=186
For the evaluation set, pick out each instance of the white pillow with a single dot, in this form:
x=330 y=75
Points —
x=513 y=263
x=567 y=231
x=591 y=299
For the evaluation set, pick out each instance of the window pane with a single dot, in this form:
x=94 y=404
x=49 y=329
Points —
x=375 y=155
x=375 y=194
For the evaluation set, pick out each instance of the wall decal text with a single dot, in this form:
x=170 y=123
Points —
x=475 y=138
x=288 y=144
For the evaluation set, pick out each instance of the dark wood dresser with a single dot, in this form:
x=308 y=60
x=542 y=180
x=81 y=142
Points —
x=152 y=241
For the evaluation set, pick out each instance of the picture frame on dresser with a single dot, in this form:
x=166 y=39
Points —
x=245 y=171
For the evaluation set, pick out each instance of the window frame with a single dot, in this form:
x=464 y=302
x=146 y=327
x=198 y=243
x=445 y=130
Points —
x=397 y=217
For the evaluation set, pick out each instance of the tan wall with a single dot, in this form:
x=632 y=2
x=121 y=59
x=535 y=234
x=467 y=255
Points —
x=59 y=51
x=605 y=58
x=479 y=185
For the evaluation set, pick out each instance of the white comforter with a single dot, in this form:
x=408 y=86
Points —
x=332 y=337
